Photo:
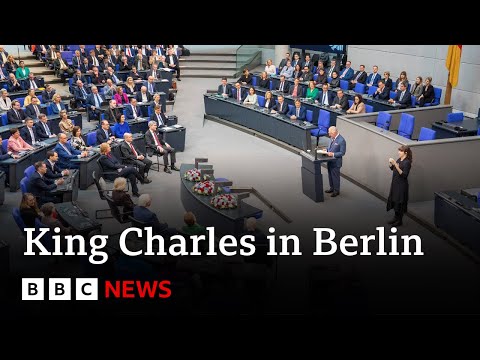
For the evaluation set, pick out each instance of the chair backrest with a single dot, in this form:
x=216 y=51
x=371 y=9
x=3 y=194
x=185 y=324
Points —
x=24 y=185
x=407 y=124
x=324 y=119
x=254 y=81
x=21 y=100
x=329 y=79
x=290 y=107
x=112 y=129
x=18 y=220
x=371 y=90
x=393 y=94
x=4 y=145
x=478 y=132
x=67 y=55
x=368 y=108
x=426 y=134
x=453 y=117
x=4 y=119
x=309 y=116
x=29 y=171
x=383 y=120
x=261 y=100
x=315 y=77
x=92 y=138
x=271 y=85
x=359 y=88
x=114 y=210
x=101 y=185
x=149 y=111
x=438 y=95
x=350 y=103
x=137 y=223
x=344 y=84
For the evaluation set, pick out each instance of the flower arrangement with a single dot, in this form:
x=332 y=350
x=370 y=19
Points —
x=205 y=188
x=195 y=175
x=224 y=201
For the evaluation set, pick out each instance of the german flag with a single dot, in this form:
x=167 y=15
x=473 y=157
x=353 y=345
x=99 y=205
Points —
x=453 y=63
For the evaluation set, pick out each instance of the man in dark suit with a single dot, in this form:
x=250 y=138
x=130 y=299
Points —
x=283 y=86
x=42 y=130
x=33 y=110
x=80 y=93
x=324 y=97
x=143 y=94
x=296 y=90
x=238 y=93
x=32 y=82
x=280 y=107
x=403 y=97
x=382 y=93
x=4 y=155
x=359 y=77
x=284 y=61
x=40 y=186
x=373 y=78
x=113 y=113
x=172 y=62
x=61 y=65
x=16 y=115
x=94 y=102
x=340 y=101
x=53 y=171
x=77 y=60
x=306 y=74
x=224 y=88
x=132 y=155
x=347 y=72
x=159 y=117
x=296 y=60
x=28 y=132
x=86 y=66
x=78 y=76
x=47 y=94
x=104 y=134
x=156 y=145
x=150 y=84
x=308 y=63
x=132 y=111
x=141 y=62
x=112 y=168
x=154 y=72
x=13 y=84
x=336 y=149
x=143 y=214
x=66 y=153
x=298 y=112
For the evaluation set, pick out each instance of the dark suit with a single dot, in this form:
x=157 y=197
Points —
x=135 y=76
x=86 y=67
x=130 y=158
x=309 y=64
x=331 y=69
x=299 y=90
x=158 y=74
x=384 y=95
x=113 y=115
x=40 y=187
x=162 y=122
x=121 y=198
x=144 y=64
x=97 y=79
x=94 y=114
x=104 y=67
x=283 y=63
x=143 y=214
x=14 y=118
x=125 y=67
x=129 y=111
x=13 y=88
x=302 y=114
x=338 y=147
x=76 y=63
x=53 y=172
x=175 y=61
x=65 y=156
x=307 y=76
x=46 y=96
x=228 y=89
x=343 y=102
x=362 y=77
x=28 y=84
x=53 y=106
x=40 y=131
x=80 y=96
x=281 y=108
x=152 y=148
x=270 y=105
x=376 y=78
x=328 y=97
x=25 y=134
x=30 y=111
x=285 y=88
x=138 y=96
x=243 y=93
x=406 y=100
x=428 y=95
x=102 y=137
x=110 y=166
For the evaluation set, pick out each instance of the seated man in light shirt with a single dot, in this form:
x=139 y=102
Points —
x=287 y=70
x=16 y=144
x=110 y=89
x=132 y=111
x=270 y=69
x=143 y=95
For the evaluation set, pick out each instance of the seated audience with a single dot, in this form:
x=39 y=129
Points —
x=80 y=93
x=94 y=103
x=66 y=153
x=312 y=91
x=340 y=101
x=191 y=226
x=269 y=100
x=77 y=141
x=283 y=85
x=382 y=93
x=264 y=81
x=13 y=85
x=42 y=129
x=270 y=69
x=322 y=77
x=281 y=106
x=402 y=78
x=359 y=78
x=306 y=74
x=104 y=133
x=121 y=127
x=5 y=101
x=57 y=105
x=142 y=213
x=297 y=72
x=296 y=90
x=28 y=132
x=403 y=97
x=132 y=155
x=65 y=124
x=110 y=89
x=159 y=116
x=22 y=72
x=133 y=111
x=335 y=82
x=156 y=145
x=287 y=70
x=358 y=107
x=238 y=93
x=347 y=73
x=53 y=171
x=224 y=88
x=40 y=186
x=373 y=78
x=130 y=86
x=298 y=112
x=48 y=93
x=251 y=98
x=246 y=77
x=428 y=94
x=143 y=96
x=16 y=115
x=121 y=197
x=28 y=99
x=29 y=210
x=417 y=88
x=120 y=97
x=113 y=113
x=50 y=219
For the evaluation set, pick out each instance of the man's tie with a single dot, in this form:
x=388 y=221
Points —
x=157 y=142
x=106 y=134
x=47 y=130
x=294 y=92
x=239 y=92
x=281 y=86
x=330 y=72
x=324 y=97
x=159 y=118
x=224 y=89
x=344 y=72
x=84 y=93
x=36 y=110
x=133 y=149
x=134 y=112
x=115 y=79
x=128 y=52
x=16 y=112
x=158 y=51
x=358 y=75
x=401 y=96
x=150 y=87
x=31 y=135
x=98 y=102
x=33 y=85
x=330 y=146
x=298 y=111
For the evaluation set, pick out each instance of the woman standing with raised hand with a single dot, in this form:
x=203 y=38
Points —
x=398 y=197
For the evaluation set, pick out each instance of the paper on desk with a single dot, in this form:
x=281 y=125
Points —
x=177 y=126
x=324 y=152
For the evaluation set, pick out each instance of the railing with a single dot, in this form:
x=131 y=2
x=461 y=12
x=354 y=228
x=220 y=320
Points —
x=250 y=56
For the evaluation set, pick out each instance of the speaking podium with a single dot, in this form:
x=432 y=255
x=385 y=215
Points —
x=312 y=181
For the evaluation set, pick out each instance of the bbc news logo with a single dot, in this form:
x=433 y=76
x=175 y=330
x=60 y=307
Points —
x=87 y=289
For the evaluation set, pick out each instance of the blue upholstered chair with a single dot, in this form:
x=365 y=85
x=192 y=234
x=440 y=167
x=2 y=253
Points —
x=426 y=134
x=309 y=116
x=359 y=88
x=368 y=108
x=344 y=84
x=261 y=100
x=454 y=117
x=384 y=120
x=436 y=100
x=407 y=124
x=371 y=90
x=92 y=138
x=323 y=125
x=24 y=185
x=29 y=171
x=18 y=220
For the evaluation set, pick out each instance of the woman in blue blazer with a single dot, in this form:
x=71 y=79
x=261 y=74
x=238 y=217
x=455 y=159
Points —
x=269 y=100
x=57 y=105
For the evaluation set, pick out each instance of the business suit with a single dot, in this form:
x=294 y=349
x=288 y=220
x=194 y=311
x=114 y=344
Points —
x=47 y=96
x=405 y=101
x=12 y=88
x=54 y=108
x=84 y=68
x=97 y=79
x=28 y=84
x=343 y=102
x=16 y=116
x=328 y=98
x=41 y=132
x=130 y=158
x=382 y=95
x=77 y=62
x=94 y=114
x=331 y=69
x=346 y=74
x=299 y=90
x=102 y=136
x=65 y=154
x=141 y=64
x=280 y=108
x=125 y=66
x=156 y=74
x=150 y=87
x=135 y=75
x=41 y=188
x=143 y=214
x=25 y=134
x=161 y=119
x=373 y=79
x=139 y=97
x=152 y=148
x=283 y=88
x=174 y=61
x=104 y=65
x=109 y=91
x=283 y=63
x=129 y=111
x=243 y=93
x=30 y=111
x=295 y=62
x=360 y=76
x=270 y=104
x=113 y=115
x=110 y=166
x=224 y=90
x=301 y=114
x=309 y=64
x=338 y=147
x=428 y=95
x=81 y=95
x=121 y=198
x=53 y=171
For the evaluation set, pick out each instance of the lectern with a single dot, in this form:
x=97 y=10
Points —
x=312 y=182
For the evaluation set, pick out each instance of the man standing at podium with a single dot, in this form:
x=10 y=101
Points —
x=336 y=149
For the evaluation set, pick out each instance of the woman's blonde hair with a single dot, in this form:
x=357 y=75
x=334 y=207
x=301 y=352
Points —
x=120 y=184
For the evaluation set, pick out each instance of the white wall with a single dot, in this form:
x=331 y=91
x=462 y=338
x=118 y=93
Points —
x=426 y=60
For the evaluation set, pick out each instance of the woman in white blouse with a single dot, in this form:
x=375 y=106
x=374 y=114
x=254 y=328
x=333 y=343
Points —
x=251 y=98
x=270 y=69
x=5 y=102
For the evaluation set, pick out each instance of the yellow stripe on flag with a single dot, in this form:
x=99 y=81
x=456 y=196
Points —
x=453 y=63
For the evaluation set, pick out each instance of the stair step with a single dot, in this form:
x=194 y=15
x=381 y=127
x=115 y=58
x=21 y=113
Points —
x=220 y=67
x=212 y=54
x=218 y=73
x=201 y=58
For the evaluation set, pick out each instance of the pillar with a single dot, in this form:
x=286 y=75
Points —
x=280 y=51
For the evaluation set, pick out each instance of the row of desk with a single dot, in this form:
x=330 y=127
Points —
x=466 y=127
